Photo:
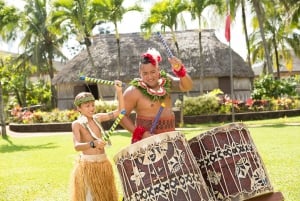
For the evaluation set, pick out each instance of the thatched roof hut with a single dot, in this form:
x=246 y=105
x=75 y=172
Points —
x=215 y=62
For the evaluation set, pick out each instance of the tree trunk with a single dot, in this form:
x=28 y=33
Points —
x=53 y=89
x=92 y=62
x=119 y=51
x=246 y=32
x=260 y=16
x=2 y=115
x=201 y=78
x=276 y=56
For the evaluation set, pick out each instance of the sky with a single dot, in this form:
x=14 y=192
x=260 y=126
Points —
x=131 y=23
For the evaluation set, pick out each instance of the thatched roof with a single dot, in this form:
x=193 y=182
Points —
x=216 y=57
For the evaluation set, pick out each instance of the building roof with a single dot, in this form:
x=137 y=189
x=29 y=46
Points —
x=216 y=57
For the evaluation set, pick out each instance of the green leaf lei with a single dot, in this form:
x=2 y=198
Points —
x=165 y=84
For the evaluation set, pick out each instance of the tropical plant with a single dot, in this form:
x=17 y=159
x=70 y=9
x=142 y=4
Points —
x=167 y=14
x=79 y=18
x=113 y=11
x=280 y=37
x=41 y=45
x=267 y=87
x=233 y=6
x=9 y=18
x=260 y=14
x=14 y=77
x=196 y=8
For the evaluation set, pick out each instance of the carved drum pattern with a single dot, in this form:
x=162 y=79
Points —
x=161 y=168
x=230 y=164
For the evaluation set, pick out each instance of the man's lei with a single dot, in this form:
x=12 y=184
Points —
x=155 y=95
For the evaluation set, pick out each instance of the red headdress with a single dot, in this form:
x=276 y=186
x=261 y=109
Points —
x=152 y=56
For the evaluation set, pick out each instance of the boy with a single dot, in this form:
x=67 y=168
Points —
x=93 y=178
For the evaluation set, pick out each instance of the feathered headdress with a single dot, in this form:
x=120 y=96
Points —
x=151 y=56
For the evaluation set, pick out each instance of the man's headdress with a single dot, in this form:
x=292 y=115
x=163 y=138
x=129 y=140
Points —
x=151 y=56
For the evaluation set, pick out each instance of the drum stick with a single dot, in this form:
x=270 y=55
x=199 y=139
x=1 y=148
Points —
x=169 y=52
x=154 y=124
x=114 y=125
x=100 y=81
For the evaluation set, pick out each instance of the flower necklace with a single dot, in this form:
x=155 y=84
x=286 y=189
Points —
x=155 y=95
x=83 y=120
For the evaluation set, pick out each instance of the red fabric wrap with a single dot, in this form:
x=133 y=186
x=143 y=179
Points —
x=181 y=72
x=137 y=134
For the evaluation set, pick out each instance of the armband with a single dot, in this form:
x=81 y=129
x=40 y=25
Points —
x=181 y=72
x=137 y=134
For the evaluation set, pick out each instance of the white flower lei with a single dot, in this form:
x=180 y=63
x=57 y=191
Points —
x=83 y=120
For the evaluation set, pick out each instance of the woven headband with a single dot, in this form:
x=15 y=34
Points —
x=84 y=99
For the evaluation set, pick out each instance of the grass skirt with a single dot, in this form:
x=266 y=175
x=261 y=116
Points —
x=93 y=180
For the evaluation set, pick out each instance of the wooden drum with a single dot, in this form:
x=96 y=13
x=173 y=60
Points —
x=161 y=168
x=230 y=163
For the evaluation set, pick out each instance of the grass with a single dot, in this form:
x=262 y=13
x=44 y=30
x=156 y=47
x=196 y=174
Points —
x=38 y=168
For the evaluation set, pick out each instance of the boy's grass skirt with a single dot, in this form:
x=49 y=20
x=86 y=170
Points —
x=93 y=179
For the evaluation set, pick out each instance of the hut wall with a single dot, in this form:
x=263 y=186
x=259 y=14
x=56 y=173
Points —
x=242 y=88
x=209 y=83
x=67 y=92
x=107 y=91
x=65 y=96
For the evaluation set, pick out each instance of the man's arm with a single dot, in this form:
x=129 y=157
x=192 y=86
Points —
x=185 y=83
x=181 y=84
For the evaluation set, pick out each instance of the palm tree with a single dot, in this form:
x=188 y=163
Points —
x=234 y=5
x=196 y=8
x=40 y=44
x=166 y=13
x=293 y=10
x=8 y=21
x=279 y=37
x=79 y=17
x=2 y=117
x=113 y=11
x=260 y=14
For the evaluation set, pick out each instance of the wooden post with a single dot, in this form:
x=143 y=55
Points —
x=180 y=97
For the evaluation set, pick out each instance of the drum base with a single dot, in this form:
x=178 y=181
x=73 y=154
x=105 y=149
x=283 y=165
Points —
x=276 y=196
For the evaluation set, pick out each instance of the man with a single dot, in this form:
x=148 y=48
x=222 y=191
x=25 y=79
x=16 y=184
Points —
x=146 y=95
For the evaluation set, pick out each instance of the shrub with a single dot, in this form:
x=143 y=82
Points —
x=19 y=115
x=267 y=87
x=213 y=102
x=205 y=104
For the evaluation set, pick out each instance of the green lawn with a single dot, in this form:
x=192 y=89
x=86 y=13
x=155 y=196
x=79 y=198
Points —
x=38 y=168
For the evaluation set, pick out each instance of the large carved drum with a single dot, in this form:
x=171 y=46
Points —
x=230 y=163
x=161 y=168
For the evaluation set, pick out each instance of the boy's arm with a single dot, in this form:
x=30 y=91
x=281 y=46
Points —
x=78 y=145
x=113 y=114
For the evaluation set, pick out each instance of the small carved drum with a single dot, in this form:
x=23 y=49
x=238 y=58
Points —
x=161 y=168
x=230 y=163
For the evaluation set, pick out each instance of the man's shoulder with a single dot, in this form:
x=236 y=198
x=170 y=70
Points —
x=131 y=89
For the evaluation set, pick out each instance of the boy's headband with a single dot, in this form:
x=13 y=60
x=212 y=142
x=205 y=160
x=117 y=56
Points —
x=83 y=99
